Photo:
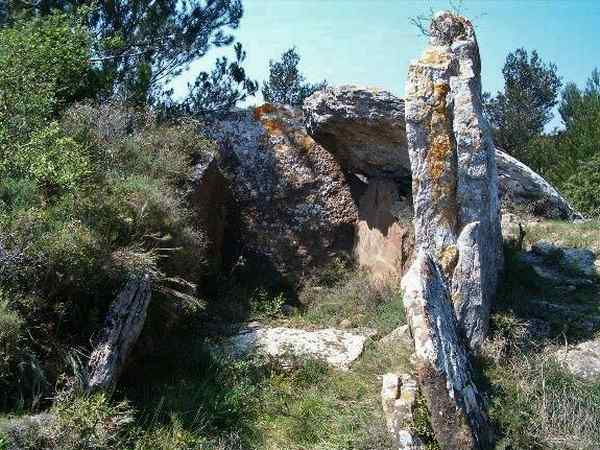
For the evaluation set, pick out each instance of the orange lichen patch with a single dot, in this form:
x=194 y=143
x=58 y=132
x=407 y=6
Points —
x=448 y=259
x=435 y=57
x=260 y=111
x=273 y=126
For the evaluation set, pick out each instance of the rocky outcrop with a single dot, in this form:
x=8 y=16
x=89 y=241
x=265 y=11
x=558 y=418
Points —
x=362 y=127
x=399 y=398
x=443 y=369
x=455 y=191
x=338 y=348
x=384 y=238
x=124 y=325
x=294 y=202
x=521 y=188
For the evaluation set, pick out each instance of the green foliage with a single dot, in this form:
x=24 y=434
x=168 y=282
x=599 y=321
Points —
x=107 y=203
x=11 y=330
x=520 y=112
x=141 y=45
x=570 y=159
x=44 y=65
x=220 y=90
x=583 y=186
x=286 y=84
x=264 y=305
x=89 y=422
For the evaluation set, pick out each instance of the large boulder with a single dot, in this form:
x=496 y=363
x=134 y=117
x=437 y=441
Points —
x=294 y=203
x=362 y=127
x=210 y=198
x=521 y=188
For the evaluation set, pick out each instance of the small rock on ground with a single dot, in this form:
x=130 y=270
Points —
x=583 y=360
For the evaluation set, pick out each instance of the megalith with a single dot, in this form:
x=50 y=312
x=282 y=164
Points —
x=454 y=176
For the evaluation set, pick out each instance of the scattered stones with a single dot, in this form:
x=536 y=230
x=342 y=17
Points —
x=124 y=325
x=338 y=348
x=362 y=127
x=294 y=203
x=583 y=360
x=398 y=398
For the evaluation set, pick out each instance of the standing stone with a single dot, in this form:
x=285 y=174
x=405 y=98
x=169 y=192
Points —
x=124 y=325
x=454 y=167
x=442 y=366
x=457 y=228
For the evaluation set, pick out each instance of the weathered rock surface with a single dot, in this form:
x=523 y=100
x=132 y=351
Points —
x=398 y=398
x=548 y=264
x=443 y=369
x=295 y=204
x=583 y=360
x=384 y=238
x=339 y=348
x=362 y=127
x=124 y=325
x=522 y=188
x=455 y=190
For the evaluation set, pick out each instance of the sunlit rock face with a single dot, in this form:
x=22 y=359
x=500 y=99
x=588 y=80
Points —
x=454 y=169
x=457 y=227
x=293 y=202
x=363 y=127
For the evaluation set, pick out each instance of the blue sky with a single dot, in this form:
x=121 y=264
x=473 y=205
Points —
x=371 y=42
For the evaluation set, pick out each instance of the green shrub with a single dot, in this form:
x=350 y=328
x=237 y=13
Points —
x=11 y=329
x=583 y=186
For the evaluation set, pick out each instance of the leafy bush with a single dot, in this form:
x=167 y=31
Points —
x=11 y=328
x=44 y=66
x=583 y=186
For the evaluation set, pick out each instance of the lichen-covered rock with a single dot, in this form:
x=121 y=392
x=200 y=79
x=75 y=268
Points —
x=522 y=189
x=583 y=360
x=398 y=398
x=384 y=238
x=453 y=166
x=124 y=325
x=362 y=127
x=443 y=369
x=338 y=348
x=295 y=205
